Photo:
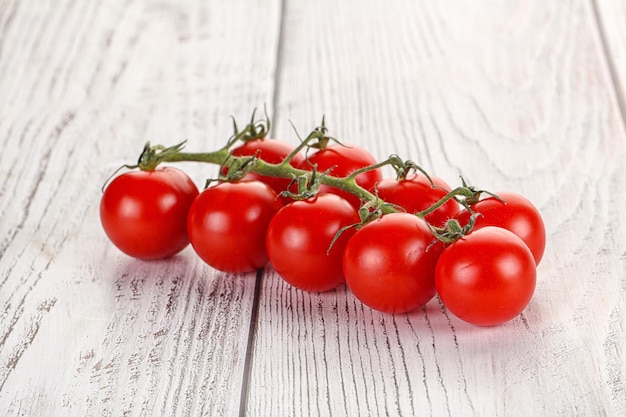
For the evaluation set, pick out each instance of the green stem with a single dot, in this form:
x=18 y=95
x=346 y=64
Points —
x=282 y=170
x=371 y=207
x=459 y=191
x=217 y=157
x=152 y=156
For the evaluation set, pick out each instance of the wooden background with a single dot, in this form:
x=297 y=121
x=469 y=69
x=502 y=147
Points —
x=512 y=94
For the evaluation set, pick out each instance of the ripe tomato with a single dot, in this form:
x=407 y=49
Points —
x=273 y=151
x=227 y=224
x=487 y=277
x=388 y=264
x=415 y=194
x=299 y=236
x=518 y=215
x=344 y=160
x=144 y=213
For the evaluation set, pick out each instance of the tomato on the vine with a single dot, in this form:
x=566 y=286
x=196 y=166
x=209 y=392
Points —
x=273 y=151
x=487 y=277
x=389 y=264
x=300 y=235
x=227 y=224
x=144 y=213
x=415 y=193
x=343 y=160
x=516 y=214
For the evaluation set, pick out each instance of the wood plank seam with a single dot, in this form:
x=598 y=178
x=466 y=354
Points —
x=254 y=314
x=609 y=61
x=249 y=356
x=278 y=65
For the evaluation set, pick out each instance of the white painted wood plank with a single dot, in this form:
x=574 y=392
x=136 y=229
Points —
x=611 y=15
x=85 y=330
x=512 y=95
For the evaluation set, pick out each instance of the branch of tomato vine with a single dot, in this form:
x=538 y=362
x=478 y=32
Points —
x=308 y=181
x=259 y=166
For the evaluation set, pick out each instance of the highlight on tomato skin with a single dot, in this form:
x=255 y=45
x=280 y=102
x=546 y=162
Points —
x=389 y=264
x=487 y=277
x=144 y=213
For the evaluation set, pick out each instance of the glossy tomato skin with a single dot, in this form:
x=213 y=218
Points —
x=416 y=193
x=487 y=277
x=517 y=214
x=389 y=265
x=227 y=225
x=144 y=213
x=299 y=236
x=344 y=160
x=273 y=151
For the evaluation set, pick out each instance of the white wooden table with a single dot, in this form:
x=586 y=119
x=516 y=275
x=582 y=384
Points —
x=520 y=95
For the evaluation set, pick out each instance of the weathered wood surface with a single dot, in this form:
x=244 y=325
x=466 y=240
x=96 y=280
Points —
x=514 y=95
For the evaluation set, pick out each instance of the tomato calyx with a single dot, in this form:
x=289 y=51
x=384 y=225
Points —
x=318 y=138
x=453 y=230
x=235 y=168
x=368 y=212
x=404 y=168
x=475 y=195
x=307 y=185
x=152 y=156
x=466 y=195
x=255 y=129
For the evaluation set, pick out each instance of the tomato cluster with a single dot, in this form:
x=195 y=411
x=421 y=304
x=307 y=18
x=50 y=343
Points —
x=392 y=262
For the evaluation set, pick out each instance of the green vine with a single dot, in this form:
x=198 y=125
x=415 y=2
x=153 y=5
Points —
x=308 y=181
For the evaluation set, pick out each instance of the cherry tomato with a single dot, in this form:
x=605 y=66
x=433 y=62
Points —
x=389 y=265
x=416 y=193
x=144 y=213
x=517 y=214
x=487 y=277
x=299 y=236
x=273 y=151
x=227 y=224
x=344 y=160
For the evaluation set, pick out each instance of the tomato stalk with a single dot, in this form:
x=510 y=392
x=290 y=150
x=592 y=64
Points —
x=309 y=180
x=452 y=231
x=152 y=156
x=468 y=193
x=258 y=166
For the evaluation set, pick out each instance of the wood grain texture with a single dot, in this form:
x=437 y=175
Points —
x=85 y=330
x=511 y=95
x=611 y=31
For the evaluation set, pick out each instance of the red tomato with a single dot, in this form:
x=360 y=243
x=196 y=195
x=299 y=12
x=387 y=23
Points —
x=144 y=213
x=273 y=151
x=415 y=194
x=299 y=236
x=487 y=277
x=227 y=224
x=344 y=160
x=388 y=264
x=518 y=215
